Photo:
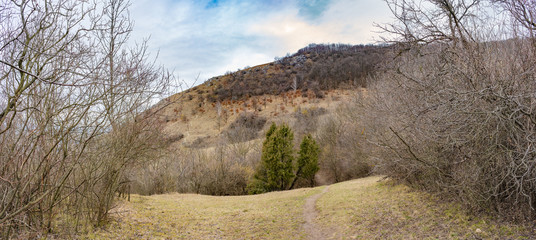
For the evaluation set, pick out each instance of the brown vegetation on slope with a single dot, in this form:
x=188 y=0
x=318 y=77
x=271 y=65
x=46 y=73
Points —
x=313 y=69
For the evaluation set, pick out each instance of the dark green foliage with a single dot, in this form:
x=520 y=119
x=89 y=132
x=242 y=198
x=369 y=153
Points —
x=308 y=159
x=256 y=186
x=276 y=170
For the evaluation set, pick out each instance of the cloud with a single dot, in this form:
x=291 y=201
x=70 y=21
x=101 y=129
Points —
x=209 y=37
x=344 y=21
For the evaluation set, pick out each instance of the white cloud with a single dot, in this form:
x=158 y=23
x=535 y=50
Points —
x=346 y=21
x=196 y=40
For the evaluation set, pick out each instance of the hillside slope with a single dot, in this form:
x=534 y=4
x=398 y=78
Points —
x=365 y=208
x=317 y=76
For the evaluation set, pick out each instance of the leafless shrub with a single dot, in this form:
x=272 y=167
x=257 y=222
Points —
x=176 y=137
x=160 y=175
x=199 y=142
x=225 y=175
x=341 y=144
x=306 y=120
x=222 y=170
x=244 y=128
x=455 y=112
x=109 y=162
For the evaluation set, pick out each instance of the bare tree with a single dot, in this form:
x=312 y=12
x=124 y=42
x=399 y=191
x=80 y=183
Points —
x=69 y=91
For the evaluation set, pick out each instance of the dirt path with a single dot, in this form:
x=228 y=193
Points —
x=309 y=214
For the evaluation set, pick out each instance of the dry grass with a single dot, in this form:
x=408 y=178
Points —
x=359 y=209
x=369 y=209
x=276 y=215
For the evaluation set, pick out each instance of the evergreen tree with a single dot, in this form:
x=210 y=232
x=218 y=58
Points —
x=269 y=133
x=276 y=170
x=307 y=160
x=259 y=183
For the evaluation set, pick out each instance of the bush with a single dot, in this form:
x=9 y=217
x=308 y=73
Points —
x=219 y=171
x=341 y=139
x=306 y=119
x=244 y=128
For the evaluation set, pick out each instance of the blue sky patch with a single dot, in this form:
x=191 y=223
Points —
x=212 y=4
x=312 y=9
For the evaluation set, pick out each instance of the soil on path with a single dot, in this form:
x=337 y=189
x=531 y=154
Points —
x=309 y=214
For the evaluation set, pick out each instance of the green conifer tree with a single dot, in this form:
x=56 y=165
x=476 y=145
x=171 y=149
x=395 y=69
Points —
x=276 y=170
x=307 y=160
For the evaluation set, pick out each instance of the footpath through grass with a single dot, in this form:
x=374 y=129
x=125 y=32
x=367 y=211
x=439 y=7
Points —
x=358 y=209
x=276 y=215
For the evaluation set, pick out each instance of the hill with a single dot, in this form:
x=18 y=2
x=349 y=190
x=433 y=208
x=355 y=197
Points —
x=317 y=79
x=216 y=129
x=360 y=209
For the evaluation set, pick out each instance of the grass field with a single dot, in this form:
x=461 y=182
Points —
x=276 y=215
x=358 y=209
x=368 y=209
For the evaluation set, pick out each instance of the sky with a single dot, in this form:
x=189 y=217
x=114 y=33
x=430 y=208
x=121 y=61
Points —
x=200 y=39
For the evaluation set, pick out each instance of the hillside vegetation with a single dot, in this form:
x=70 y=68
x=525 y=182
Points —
x=313 y=69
